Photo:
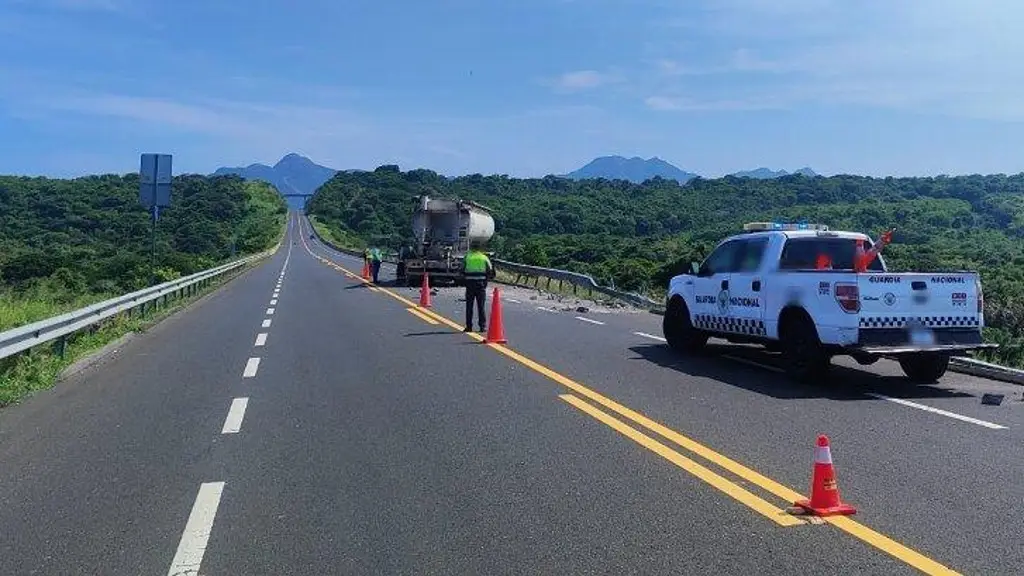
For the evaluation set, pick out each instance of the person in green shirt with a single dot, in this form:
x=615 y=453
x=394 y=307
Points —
x=375 y=260
x=476 y=270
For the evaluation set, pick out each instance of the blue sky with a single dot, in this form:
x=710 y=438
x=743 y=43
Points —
x=523 y=87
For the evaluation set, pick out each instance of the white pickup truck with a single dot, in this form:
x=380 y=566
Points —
x=763 y=286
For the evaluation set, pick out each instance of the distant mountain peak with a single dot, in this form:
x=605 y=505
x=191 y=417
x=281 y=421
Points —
x=292 y=174
x=634 y=169
x=764 y=173
x=293 y=159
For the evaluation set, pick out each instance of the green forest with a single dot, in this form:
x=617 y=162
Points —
x=636 y=236
x=67 y=243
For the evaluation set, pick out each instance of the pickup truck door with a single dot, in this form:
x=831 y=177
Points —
x=746 y=290
x=711 y=288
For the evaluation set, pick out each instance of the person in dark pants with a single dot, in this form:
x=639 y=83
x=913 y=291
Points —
x=476 y=270
x=375 y=260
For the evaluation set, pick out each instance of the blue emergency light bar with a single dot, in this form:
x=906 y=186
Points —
x=774 y=226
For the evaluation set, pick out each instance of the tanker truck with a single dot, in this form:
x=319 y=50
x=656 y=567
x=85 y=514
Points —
x=442 y=230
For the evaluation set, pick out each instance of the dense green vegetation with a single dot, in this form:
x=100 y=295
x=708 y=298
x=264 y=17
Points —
x=636 y=236
x=67 y=243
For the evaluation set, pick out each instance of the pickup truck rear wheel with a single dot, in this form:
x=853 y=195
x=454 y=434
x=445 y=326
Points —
x=924 y=368
x=679 y=331
x=802 y=353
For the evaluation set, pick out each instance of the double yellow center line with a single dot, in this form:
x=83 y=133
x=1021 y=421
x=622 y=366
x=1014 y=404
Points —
x=719 y=482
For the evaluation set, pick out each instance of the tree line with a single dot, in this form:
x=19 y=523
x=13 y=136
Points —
x=636 y=236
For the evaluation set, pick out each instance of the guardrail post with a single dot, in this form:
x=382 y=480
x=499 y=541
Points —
x=61 y=346
x=574 y=287
x=548 y=285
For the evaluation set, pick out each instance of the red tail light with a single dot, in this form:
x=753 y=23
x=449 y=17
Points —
x=848 y=297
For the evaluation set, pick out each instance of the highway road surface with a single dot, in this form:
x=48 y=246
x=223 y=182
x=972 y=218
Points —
x=302 y=421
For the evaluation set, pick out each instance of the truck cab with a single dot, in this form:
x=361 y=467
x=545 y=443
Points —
x=794 y=289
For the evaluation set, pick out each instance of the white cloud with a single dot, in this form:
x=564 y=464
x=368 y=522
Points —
x=584 y=80
x=681 y=103
x=939 y=56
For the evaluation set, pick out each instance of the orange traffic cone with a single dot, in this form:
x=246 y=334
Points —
x=496 y=329
x=824 y=489
x=366 y=269
x=425 y=292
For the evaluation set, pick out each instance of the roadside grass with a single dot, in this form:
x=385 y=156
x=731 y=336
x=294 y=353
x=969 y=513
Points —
x=337 y=237
x=40 y=368
x=42 y=302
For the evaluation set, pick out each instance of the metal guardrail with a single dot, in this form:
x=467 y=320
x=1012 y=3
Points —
x=986 y=370
x=577 y=280
x=22 y=338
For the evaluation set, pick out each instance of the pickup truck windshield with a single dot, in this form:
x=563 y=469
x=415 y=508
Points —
x=802 y=253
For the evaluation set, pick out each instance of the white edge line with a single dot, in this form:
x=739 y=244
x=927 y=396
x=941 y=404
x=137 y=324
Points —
x=266 y=323
x=752 y=363
x=581 y=318
x=261 y=339
x=651 y=336
x=251 y=367
x=194 y=538
x=547 y=309
x=926 y=408
x=233 y=423
x=513 y=300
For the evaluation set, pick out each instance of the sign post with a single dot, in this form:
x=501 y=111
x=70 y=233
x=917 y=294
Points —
x=155 y=193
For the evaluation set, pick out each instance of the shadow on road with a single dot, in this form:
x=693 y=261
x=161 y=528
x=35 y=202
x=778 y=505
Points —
x=431 y=333
x=842 y=384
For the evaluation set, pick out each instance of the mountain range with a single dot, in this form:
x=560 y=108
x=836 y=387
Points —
x=298 y=175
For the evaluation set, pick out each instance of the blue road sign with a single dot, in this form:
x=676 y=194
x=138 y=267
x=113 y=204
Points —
x=155 y=180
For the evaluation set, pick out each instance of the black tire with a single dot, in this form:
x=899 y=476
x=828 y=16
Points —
x=802 y=353
x=679 y=331
x=924 y=368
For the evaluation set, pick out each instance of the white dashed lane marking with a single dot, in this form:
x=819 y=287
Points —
x=261 y=339
x=233 y=423
x=582 y=319
x=251 y=367
x=192 y=545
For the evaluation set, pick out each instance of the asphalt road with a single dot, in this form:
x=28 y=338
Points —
x=368 y=439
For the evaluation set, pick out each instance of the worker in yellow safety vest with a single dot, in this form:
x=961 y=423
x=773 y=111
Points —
x=375 y=259
x=476 y=271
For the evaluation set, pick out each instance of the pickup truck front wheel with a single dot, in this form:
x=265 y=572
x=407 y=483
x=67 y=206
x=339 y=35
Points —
x=802 y=353
x=679 y=331
x=924 y=368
